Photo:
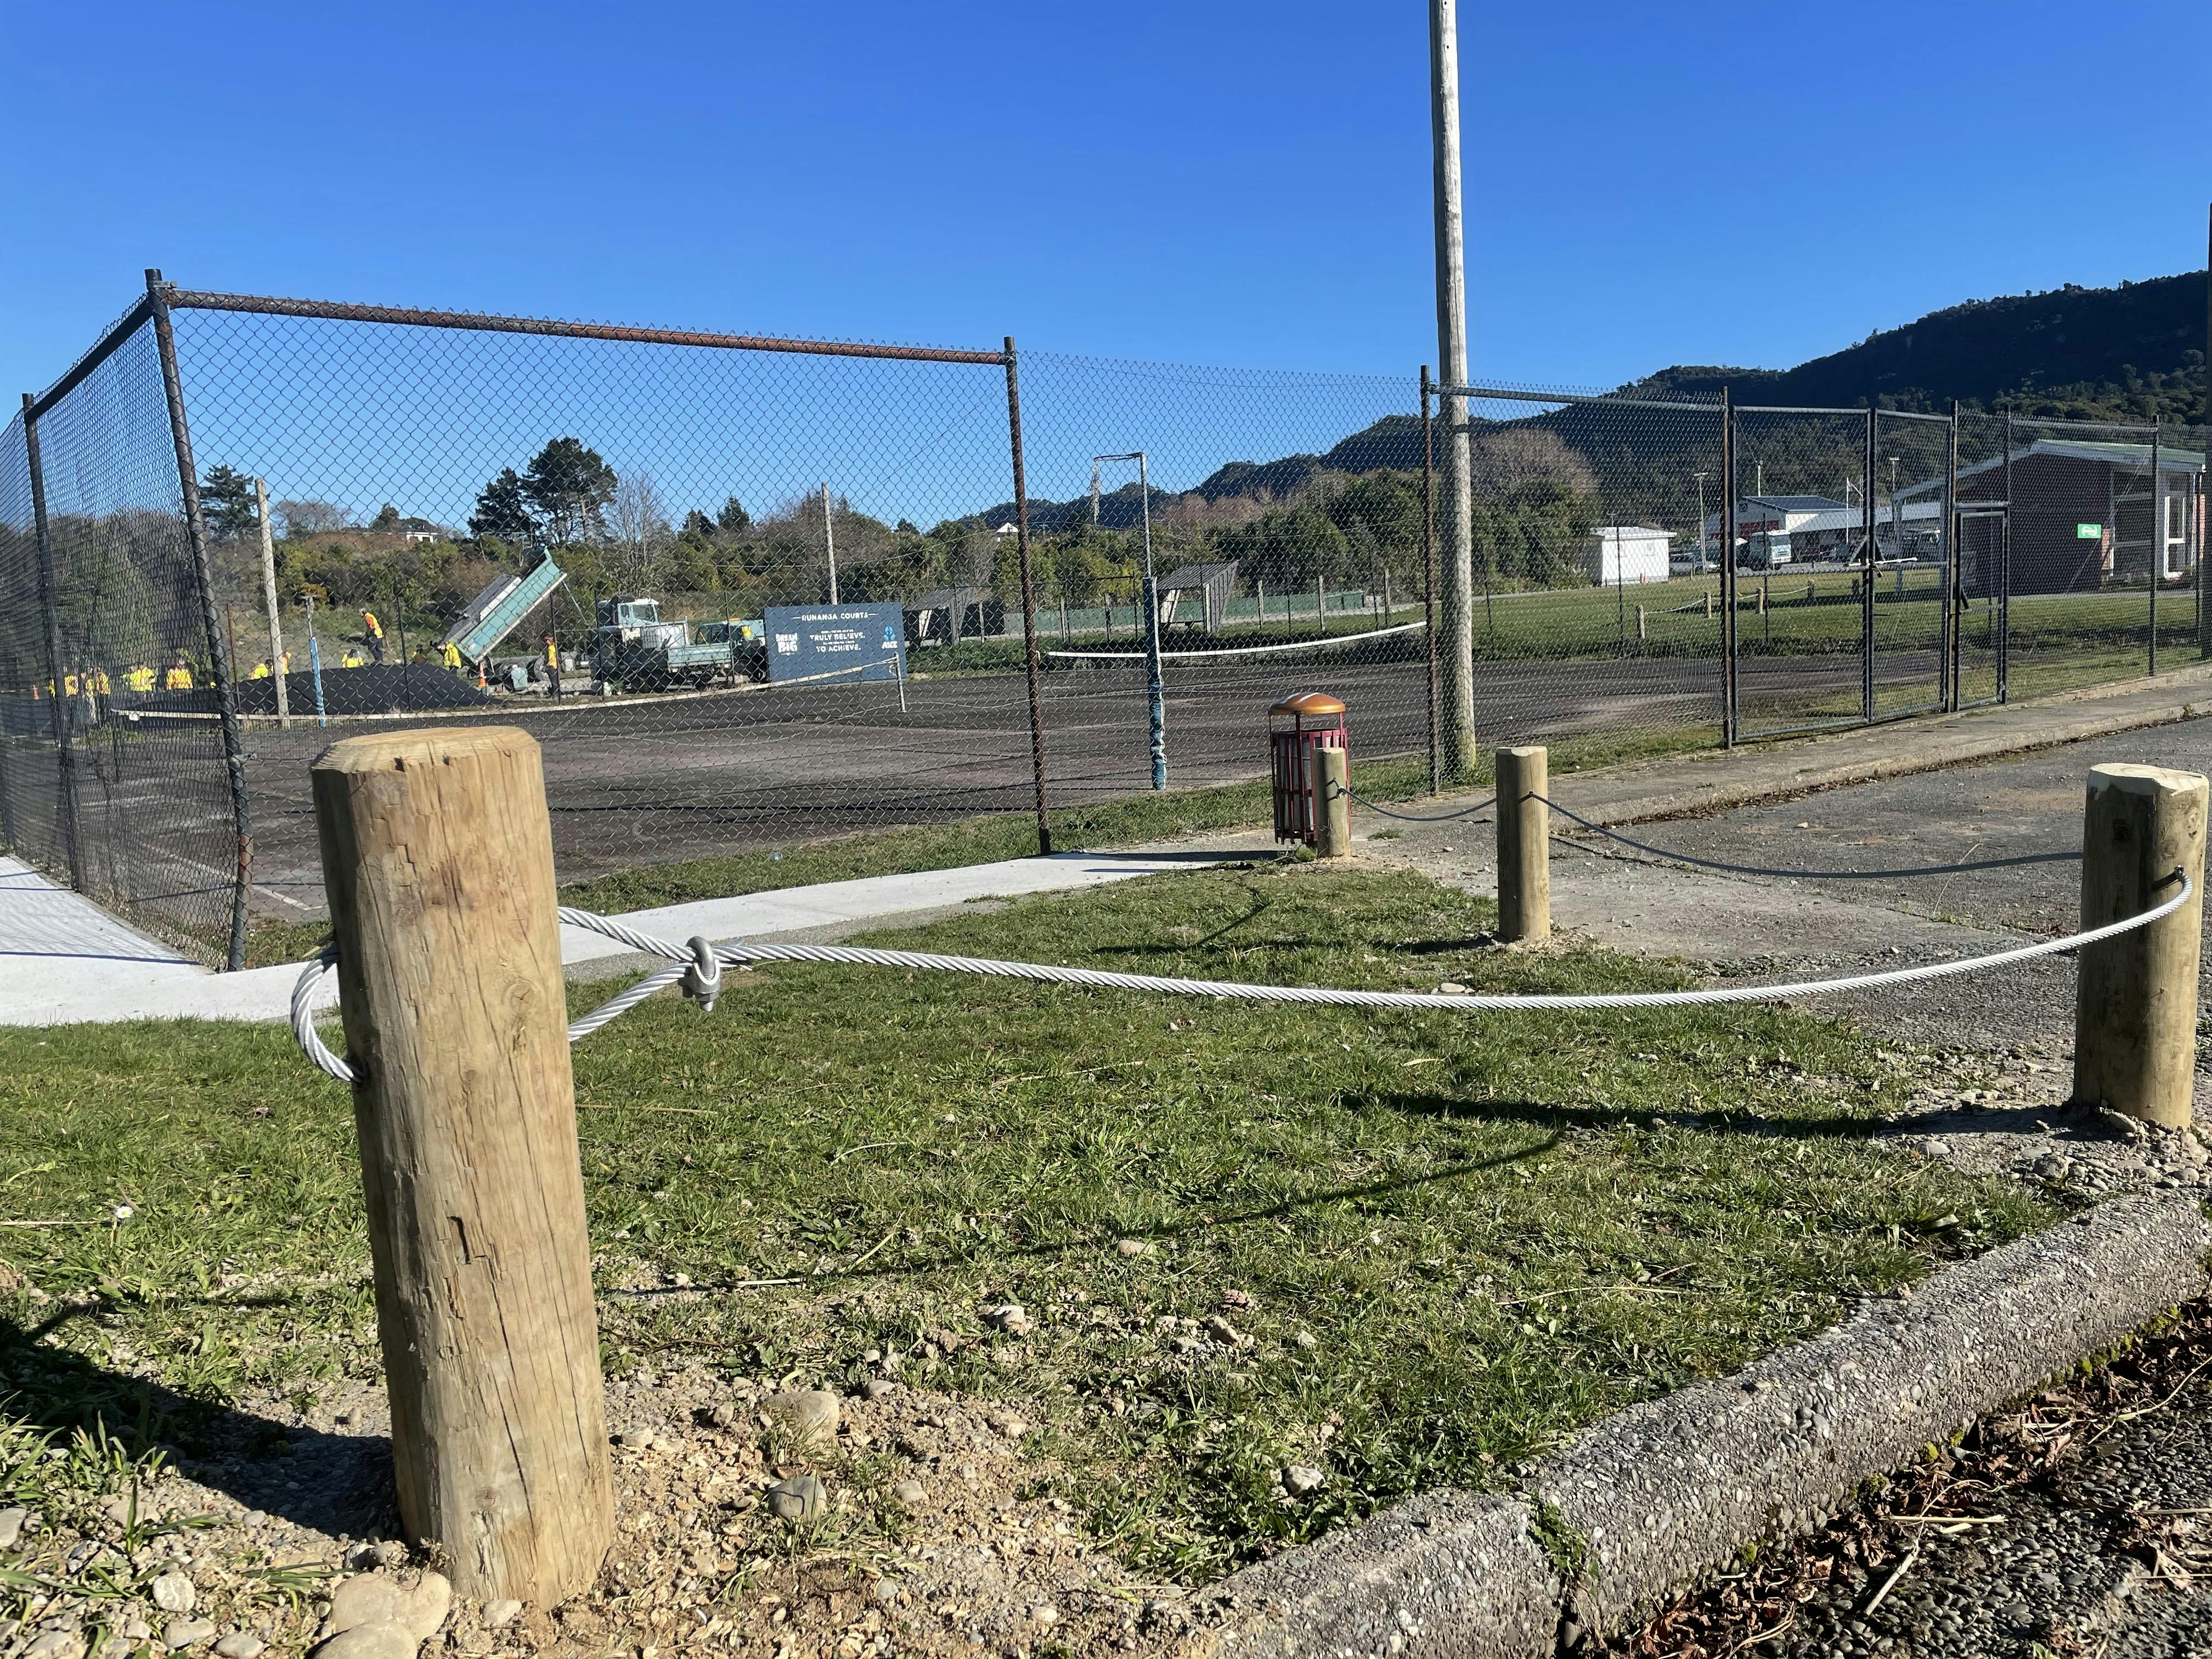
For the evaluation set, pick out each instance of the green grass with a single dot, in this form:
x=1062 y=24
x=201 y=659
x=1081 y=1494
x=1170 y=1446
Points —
x=1444 y=1242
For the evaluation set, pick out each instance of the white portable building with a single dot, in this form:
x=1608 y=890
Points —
x=1627 y=554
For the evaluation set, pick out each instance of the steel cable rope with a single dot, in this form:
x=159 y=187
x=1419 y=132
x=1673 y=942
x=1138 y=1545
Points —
x=1351 y=794
x=698 y=966
x=1829 y=875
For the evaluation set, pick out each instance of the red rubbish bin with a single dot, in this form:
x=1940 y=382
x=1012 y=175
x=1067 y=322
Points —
x=1296 y=727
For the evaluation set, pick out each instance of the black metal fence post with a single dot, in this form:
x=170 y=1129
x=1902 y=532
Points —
x=1429 y=576
x=1948 y=635
x=2157 y=543
x=68 y=804
x=1727 y=572
x=1029 y=662
x=234 y=750
x=2004 y=569
x=2200 y=489
x=1873 y=559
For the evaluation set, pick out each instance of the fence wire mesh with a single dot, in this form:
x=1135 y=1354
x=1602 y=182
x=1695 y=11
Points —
x=30 y=780
x=1594 y=542
x=776 y=613
x=125 y=792
x=750 y=593
x=1285 y=533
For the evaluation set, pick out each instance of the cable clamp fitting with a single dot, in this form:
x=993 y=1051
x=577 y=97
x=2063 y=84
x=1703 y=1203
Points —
x=702 y=981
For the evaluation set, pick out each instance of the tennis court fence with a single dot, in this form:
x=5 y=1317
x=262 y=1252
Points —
x=754 y=593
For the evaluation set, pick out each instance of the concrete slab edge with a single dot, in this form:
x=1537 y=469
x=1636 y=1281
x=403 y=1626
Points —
x=1642 y=1504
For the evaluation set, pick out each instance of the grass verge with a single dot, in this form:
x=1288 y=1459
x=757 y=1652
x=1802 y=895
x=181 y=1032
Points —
x=1401 y=1250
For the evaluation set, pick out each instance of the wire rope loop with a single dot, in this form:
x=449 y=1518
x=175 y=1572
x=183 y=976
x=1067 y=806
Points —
x=303 y=1018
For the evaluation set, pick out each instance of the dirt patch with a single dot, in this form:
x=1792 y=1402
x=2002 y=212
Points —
x=933 y=1537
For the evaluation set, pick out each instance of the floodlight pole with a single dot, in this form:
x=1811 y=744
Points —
x=829 y=542
x=1156 y=691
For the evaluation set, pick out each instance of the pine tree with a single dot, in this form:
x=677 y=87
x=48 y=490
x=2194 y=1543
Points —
x=502 y=508
x=226 y=504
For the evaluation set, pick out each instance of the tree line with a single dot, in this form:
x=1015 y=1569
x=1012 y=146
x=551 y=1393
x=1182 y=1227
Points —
x=613 y=531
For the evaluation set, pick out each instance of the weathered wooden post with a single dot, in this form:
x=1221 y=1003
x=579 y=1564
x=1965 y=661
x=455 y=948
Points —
x=1524 y=845
x=1332 y=777
x=437 y=859
x=2135 y=1008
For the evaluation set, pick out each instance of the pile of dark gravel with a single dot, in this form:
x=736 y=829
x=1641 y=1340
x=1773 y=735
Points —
x=2059 y=1527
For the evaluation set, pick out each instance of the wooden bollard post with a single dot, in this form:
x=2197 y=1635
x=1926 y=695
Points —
x=1709 y=602
x=1640 y=634
x=1332 y=776
x=438 y=859
x=2135 y=999
x=1524 y=845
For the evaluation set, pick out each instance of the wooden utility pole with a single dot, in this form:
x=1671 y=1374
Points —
x=438 y=860
x=2135 y=1013
x=269 y=601
x=1524 y=845
x=1456 y=524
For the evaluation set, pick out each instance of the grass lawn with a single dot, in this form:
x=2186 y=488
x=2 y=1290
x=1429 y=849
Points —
x=1404 y=1248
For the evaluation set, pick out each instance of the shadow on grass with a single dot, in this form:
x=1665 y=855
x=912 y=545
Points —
x=1558 y=1118
x=1047 y=1249
x=2070 y=1123
x=336 y=1483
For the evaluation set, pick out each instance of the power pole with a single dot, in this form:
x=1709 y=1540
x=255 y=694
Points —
x=1456 y=528
x=269 y=603
x=829 y=542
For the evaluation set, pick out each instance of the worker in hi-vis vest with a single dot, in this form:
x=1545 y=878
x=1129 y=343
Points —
x=451 y=656
x=375 y=637
x=178 y=676
x=138 y=678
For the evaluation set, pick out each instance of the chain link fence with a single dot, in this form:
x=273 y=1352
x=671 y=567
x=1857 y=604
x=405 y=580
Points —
x=111 y=696
x=750 y=593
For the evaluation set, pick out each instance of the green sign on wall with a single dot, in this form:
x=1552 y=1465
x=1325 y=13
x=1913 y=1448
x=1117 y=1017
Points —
x=2089 y=532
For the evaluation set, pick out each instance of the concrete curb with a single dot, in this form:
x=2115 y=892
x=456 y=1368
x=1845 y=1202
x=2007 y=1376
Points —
x=1640 y=1505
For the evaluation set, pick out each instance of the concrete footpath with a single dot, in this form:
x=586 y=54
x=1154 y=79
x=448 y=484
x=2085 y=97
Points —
x=66 y=961
x=1648 y=790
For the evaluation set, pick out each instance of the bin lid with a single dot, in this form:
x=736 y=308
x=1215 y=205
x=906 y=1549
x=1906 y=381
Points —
x=1310 y=702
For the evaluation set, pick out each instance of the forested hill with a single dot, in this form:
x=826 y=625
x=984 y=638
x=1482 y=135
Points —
x=2133 y=352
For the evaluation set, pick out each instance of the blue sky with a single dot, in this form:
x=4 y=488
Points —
x=1221 y=181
